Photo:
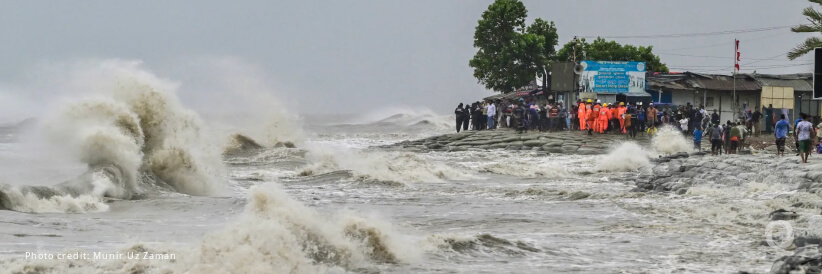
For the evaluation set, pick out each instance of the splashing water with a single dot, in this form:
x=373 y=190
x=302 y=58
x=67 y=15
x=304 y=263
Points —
x=669 y=140
x=275 y=234
x=401 y=167
x=132 y=130
x=627 y=156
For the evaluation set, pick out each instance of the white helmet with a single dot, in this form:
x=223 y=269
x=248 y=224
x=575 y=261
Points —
x=639 y=103
x=598 y=101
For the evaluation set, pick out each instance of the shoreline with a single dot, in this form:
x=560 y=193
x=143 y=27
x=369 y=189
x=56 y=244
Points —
x=555 y=142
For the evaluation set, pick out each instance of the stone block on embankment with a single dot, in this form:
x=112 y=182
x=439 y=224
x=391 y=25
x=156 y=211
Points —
x=533 y=143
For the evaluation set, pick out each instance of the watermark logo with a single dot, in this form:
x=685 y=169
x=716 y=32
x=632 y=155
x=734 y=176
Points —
x=781 y=234
x=776 y=227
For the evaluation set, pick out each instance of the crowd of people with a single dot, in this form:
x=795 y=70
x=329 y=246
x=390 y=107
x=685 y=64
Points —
x=523 y=115
x=594 y=116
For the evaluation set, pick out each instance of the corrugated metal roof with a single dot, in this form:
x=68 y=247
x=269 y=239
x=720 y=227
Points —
x=509 y=96
x=691 y=81
x=799 y=82
x=668 y=82
x=723 y=82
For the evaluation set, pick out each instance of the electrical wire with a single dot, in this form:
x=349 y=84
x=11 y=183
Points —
x=695 y=34
x=730 y=44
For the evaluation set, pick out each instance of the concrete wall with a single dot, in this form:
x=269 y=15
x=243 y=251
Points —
x=682 y=97
x=719 y=100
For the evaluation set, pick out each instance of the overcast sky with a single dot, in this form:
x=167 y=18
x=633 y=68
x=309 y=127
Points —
x=352 y=56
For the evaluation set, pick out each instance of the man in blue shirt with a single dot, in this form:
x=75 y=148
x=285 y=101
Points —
x=781 y=133
x=698 y=138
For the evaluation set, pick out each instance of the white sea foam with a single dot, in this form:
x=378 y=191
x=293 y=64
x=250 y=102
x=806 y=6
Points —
x=130 y=120
x=627 y=156
x=669 y=140
x=275 y=234
x=402 y=167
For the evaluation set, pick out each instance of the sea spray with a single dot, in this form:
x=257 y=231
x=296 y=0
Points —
x=627 y=156
x=274 y=234
x=130 y=127
x=401 y=167
x=238 y=97
x=668 y=140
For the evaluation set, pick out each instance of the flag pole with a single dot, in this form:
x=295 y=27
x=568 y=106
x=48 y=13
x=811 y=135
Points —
x=733 y=100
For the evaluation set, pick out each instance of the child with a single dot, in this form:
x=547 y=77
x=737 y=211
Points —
x=698 y=138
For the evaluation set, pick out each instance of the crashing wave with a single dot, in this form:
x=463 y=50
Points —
x=136 y=136
x=668 y=140
x=627 y=156
x=240 y=144
x=275 y=234
x=394 y=168
x=485 y=243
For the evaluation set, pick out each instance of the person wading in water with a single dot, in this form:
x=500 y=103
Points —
x=805 y=136
x=781 y=134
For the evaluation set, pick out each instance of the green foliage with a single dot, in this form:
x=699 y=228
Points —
x=815 y=25
x=548 y=32
x=602 y=50
x=508 y=56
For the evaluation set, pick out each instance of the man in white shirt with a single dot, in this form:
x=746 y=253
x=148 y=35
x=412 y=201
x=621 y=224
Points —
x=492 y=112
x=805 y=136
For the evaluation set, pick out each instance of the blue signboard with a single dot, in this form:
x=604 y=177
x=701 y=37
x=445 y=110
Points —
x=612 y=77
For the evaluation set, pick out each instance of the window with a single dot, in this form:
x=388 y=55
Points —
x=709 y=102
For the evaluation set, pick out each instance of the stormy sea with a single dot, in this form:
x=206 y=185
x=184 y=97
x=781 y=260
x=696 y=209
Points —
x=130 y=170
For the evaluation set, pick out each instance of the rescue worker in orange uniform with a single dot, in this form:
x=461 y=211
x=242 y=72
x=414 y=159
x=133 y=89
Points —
x=620 y=116
x=581 y=114
x=604 y=116
x=591 y=113
x=613 y=123
x=593 y=118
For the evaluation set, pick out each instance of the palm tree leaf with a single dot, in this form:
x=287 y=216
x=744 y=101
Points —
x=809 y=45
x=813 y=15
x=806 y=28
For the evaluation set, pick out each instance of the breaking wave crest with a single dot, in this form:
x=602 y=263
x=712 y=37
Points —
x=627 y=156
x=668 y=140
x=133 y=134
x=275 y=234
x=485 y=243
x=399 y=167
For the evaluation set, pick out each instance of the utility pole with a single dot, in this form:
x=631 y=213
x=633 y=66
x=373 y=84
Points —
x=734 y=103
x=576 y=89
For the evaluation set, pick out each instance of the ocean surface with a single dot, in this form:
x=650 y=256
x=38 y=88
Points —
x=140 y=173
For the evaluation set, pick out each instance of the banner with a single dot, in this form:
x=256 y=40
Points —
x=612 y=77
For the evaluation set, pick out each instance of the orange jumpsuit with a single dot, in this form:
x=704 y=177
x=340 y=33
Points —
x=592 y=114
x=588 y=110
x=604 y=116
x=622 y=110
x=581 y=115
x=594 y=123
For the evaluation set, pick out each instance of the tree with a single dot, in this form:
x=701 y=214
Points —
x=548 y=32
x=602 y=50
x=507 y=58
x=815 y=26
